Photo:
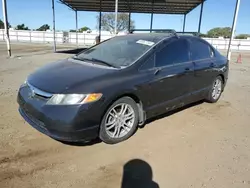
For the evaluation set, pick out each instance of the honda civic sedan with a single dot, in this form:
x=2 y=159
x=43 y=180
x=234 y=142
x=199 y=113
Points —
x=110 y=89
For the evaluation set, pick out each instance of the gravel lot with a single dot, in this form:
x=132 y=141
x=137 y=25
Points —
x=204 y=145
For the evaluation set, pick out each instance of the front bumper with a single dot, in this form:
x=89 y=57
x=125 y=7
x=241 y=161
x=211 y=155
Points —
x=71 y=123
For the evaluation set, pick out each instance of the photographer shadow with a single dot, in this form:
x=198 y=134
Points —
x=138 y=174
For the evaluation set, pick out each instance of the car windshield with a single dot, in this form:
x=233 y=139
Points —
x=119 y=51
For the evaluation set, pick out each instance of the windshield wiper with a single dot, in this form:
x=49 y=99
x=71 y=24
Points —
x=103 y=62
x=77 y=58
x=96 y=60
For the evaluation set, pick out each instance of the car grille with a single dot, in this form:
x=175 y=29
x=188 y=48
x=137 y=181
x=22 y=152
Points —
x=37 y=92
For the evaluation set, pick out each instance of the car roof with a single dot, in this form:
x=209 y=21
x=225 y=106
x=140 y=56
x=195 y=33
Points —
x=154 y=37
x=190 y=37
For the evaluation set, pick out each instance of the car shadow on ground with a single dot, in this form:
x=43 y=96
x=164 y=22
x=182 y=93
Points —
x=72 y=51
x=172 y=112
x=138 y=173
x=88 y=143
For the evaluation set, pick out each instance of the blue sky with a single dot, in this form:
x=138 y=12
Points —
x=217 y=13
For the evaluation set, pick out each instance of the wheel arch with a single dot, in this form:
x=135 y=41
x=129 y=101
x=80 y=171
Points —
x=223 y=78
x=142 y=114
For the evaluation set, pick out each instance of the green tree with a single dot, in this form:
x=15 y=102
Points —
x=2 y=25
x=44 y=27
x=85 y=28
x=203 y=35
x=242 y=36
x=108 y=22
x=21 y=27
x=219 y=32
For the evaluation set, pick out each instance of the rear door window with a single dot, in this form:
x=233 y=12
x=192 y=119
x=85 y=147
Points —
x=174 y=52
x=200 y=50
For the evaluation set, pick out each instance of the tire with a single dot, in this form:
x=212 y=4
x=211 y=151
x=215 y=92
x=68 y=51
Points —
x=106 y=135
x=212 y=98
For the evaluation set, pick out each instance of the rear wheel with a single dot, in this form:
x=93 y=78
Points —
x=216 y=90
x=120 y=121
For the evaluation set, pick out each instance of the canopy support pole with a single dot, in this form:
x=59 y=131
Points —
x=184 y=23
x=76 y=28
x=100 y=21
x=152 y=16
x=100 y=24
x=54 y=26
x=6 y=26
x=116 y=15
x=201 y=13
x=237 y=6
x=151 y=22
x=129 y=21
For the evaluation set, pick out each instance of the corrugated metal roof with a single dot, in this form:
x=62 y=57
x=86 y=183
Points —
x=135 y=6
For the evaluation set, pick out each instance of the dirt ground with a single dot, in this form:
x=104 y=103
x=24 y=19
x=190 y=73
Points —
x=205 y=145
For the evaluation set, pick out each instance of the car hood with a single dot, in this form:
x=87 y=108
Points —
x=66 y=74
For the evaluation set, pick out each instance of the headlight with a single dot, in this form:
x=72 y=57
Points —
x=24 y=84
x=70 y=99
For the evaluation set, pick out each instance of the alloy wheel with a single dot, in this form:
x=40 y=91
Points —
x=119 y=120
x=217 y=88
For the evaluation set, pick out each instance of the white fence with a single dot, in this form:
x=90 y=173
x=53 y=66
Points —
x=89 y=38
x=47 y=37
x=222 y=44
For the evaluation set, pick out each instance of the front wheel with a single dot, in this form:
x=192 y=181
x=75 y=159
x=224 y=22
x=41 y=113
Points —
x=120 y=121
x=216 y=90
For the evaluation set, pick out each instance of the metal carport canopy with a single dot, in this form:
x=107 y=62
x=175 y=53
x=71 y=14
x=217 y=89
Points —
x=129 y=6
x=135 y=6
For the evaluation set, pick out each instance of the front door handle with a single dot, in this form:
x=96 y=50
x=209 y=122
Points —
x=157 y=71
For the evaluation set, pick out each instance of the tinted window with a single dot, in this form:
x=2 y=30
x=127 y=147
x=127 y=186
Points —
x=175 y=52
x=149 y=63
x=200 y=50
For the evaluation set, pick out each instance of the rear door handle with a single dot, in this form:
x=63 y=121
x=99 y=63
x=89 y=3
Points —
x=188 y=69
x=212 y=65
